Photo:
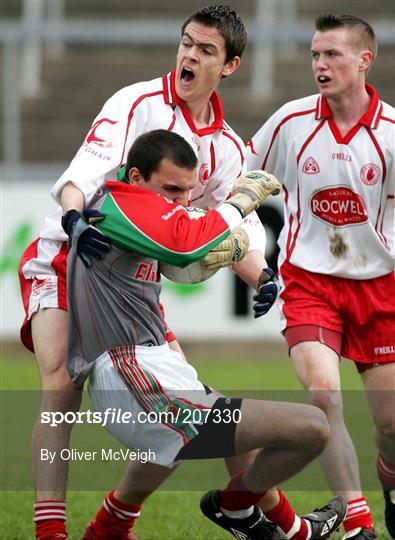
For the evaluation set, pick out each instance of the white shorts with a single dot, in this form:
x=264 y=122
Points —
x=42 y=276
x=160 y=391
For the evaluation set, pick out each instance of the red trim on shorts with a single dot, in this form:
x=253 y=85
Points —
x=363 y=366
x=26 y=289
x=309 y=332
x=59 y=265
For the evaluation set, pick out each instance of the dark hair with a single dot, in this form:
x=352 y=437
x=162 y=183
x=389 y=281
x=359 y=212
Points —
x=148 y=150
x=367 y=38
x=227 y=22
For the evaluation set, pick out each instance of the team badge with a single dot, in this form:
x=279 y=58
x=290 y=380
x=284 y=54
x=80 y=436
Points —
x=310 y=166
x=203 y=173
x=370 y=174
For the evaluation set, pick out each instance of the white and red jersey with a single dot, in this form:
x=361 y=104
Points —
x=338 y=190
x=143 y=107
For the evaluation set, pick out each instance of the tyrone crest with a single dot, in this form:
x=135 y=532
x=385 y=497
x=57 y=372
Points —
x=203 y=174
x=370 y=174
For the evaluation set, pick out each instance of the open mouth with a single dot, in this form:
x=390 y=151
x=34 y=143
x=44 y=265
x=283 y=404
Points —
x=323 y=79
x=187 y=75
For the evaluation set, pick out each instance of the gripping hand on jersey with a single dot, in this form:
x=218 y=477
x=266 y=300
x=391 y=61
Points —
x=229 y=251
x=267 y=292
x=83 y=236
x=251 y=189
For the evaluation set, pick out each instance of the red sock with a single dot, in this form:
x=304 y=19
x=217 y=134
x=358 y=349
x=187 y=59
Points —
x=50 y=517
x=236 y=496
x=358 y=515
x=386 y=472
x=115 y=514
x=294 y=527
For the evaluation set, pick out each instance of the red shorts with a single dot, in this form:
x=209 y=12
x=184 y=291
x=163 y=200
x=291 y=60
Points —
x=354 y=317
x=43 y=281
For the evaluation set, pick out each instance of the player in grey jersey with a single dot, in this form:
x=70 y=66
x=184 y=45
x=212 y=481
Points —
x=117 y=331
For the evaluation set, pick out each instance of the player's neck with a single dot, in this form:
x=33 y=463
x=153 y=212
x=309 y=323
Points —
x=200 y=112
x=348 y=108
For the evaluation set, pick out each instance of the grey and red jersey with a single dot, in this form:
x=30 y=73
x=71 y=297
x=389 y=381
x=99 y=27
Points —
x=339 y=190
x=115 y=302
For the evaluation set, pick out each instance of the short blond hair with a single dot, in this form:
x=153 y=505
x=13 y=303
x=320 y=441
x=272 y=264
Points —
x=366 y=36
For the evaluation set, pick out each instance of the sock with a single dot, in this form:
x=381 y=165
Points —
x=236 y=496
x=294 y=527
x=386 y=472
x=50 y=517
x=358 y=515
x=115 y=514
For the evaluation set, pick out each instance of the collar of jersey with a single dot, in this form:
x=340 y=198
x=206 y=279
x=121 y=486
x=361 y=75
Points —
x=369 y=119
x=171 y=97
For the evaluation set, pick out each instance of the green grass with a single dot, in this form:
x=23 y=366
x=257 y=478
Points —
x=171 y=514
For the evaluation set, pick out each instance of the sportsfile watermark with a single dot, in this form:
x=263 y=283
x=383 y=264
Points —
x=104 y=441
x=113 y=415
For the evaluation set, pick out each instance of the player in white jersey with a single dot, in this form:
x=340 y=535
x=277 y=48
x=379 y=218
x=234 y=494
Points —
x=185 y=102
x=335 y=154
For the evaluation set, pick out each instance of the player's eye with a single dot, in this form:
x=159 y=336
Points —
x=208 y=52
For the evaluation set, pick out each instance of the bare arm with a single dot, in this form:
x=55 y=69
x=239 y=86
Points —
x=72 y=198
x=250 y=268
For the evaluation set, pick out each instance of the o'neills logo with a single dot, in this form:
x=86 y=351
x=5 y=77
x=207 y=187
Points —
x=338 y=206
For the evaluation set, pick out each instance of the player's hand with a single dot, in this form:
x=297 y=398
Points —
x=251 y=189
x=229 y=251
x=267 y=292
x=83 y=236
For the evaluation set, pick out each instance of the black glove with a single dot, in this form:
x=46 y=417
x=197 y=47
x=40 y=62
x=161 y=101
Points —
x=267 y=292
x=83 y=237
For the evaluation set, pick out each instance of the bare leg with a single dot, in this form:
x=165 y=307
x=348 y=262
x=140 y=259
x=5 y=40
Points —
x=380 y=390
x=49 y=330
x=241 y=463
x=286 y=448
x=140 y=480
x=317 y=367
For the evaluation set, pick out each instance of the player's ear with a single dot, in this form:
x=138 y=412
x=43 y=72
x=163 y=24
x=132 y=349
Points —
x=365 y=60
x=231 y=66
x=135 y=177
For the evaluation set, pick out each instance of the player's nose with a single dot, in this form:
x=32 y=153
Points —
x=192 y=53
x=183 y=198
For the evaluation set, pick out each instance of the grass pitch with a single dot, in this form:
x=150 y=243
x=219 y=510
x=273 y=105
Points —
x=172 y=513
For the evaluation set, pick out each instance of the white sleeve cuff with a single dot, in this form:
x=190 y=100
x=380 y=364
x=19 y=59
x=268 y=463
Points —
x=230 y=214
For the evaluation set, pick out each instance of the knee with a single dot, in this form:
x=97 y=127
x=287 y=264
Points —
x=317 y=430
x=326 y=398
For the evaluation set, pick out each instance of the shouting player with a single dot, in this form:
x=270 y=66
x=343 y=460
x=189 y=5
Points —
x=185 y=102
x=335 y=154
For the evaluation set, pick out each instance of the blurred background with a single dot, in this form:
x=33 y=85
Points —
x=61 y=60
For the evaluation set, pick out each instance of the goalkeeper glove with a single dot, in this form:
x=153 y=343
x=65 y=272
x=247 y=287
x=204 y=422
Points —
x=267 y=292
x=229 y=251
x=83 y=237
x=251 y=189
